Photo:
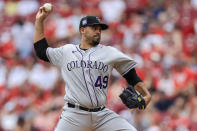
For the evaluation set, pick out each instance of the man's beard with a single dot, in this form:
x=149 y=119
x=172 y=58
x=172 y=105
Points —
x=95 y=41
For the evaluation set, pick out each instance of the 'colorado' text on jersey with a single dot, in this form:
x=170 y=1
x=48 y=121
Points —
x=87 y=72
x=87 y=64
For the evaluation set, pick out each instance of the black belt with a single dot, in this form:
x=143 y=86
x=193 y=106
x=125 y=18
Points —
x=86 y=109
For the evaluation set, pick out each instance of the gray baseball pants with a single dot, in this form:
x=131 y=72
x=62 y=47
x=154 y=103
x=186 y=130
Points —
x=73 y=119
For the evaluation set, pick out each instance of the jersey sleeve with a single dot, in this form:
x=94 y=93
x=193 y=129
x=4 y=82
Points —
x=122 y=62
x=55 y=55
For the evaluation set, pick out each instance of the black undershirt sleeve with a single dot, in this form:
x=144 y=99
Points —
x=132 y=77
x=40 y=49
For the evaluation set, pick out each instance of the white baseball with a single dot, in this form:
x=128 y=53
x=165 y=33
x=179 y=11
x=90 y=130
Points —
x=47 y=7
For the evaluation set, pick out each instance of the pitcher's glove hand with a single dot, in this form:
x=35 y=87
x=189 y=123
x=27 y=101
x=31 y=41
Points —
x=131 y=99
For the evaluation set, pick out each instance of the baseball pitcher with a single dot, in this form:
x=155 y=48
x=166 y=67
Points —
x=86 y=69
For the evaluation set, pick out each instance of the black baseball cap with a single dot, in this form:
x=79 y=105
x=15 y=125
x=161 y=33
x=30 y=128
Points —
x=90 y=21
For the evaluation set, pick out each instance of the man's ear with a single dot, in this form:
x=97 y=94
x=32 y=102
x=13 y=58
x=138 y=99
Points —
x=82 y=30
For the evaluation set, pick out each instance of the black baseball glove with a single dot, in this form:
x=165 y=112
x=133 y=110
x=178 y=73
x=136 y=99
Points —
x=131 y=99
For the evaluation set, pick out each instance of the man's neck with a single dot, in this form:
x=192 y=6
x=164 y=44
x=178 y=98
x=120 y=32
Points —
x=85 y=45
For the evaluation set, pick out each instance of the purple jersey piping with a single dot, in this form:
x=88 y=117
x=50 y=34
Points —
x=92 y=80
x=129 y=68
x=84 y=77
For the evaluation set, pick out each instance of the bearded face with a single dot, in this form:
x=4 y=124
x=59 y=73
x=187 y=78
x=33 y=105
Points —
x=92 y=34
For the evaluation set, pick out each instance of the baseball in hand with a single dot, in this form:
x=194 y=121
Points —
x=47 y=7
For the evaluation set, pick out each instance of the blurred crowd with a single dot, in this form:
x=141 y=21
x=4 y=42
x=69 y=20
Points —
x=161 y=35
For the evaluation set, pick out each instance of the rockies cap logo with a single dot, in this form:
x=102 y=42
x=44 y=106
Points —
x=84 y=22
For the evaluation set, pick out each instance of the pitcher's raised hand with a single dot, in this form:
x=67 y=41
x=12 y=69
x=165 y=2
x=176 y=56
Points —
x=42 y=13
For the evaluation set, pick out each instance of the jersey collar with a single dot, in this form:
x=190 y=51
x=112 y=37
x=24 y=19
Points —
x=88 y=50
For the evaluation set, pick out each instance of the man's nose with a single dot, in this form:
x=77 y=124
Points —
x=98 y=31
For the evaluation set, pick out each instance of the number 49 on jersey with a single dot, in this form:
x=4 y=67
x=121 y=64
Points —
x=102 y=83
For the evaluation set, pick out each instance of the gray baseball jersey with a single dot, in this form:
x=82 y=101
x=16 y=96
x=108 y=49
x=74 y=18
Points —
x=87 y=73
